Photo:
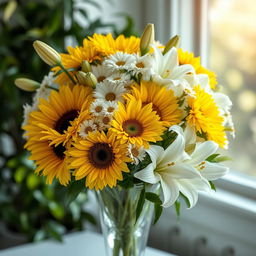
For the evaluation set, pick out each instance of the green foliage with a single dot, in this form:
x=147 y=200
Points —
x=177 y=208
x=158 y=212
x=140 y=204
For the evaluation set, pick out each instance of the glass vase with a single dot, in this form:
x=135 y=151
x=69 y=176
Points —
x=123 y=235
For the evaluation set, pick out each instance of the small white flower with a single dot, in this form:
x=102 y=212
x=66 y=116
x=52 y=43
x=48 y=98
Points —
x=97 y=121
x=110 y=107
x=86 y=127
x=119 y=61
x=109 y=91
x=120 y=78
x=142 y=65
x=105 y=121
x=27 y=109
x=101 y=72
x=97 y=107
x=136 y=154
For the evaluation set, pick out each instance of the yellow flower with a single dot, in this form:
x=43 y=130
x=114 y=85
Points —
x=58 y=118
x=188 y=58
x=163 y=101
x=205 y=117
x=107 y=45
x=74 y=60
x=100 y=158
x=51 y=161
x=136 y=124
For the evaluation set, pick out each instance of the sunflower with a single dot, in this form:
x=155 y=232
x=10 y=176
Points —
x=189 y=58
x=101 y=158
x=205 y=117
x=163 y=101
x=73 y=60
x=51 y=161
x=58 y=118
x=137 y=124
x=107 y=45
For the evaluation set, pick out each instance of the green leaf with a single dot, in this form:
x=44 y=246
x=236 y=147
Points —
x=222 y=159
x=56 y=210
x=177 y=208
x=20 y=174
x=73 y=190
x=185 y=199
x=158 y=212
x=211 y=158
x=154 y=198
x=212 y=185
x=32 y=181
x=140 y=204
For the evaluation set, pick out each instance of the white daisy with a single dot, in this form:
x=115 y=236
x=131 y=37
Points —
x=110 y=107
x=136 y=154
x=142 y=65
x=101 y=72
x=97 y=107
x=109 y=91
x=86 y=127
x=120 y=78
x=119 y=61
x=27 y=109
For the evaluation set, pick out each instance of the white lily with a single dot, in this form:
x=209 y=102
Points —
x=170 y=169
x=166 y=69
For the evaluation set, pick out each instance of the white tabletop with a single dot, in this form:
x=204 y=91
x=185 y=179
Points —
x=75 y=244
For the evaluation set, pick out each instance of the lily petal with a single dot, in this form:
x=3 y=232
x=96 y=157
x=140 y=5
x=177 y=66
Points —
x=214 y=171
x=202 y=151
x=170 y=190
x=147 y=175
x=156 y=154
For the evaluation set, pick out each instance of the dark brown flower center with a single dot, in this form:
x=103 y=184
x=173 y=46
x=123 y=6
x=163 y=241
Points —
x=59 y=151
x=101 y=78
x=133 y=127
x=64 y=122
x=101 y=155
x=110 y=96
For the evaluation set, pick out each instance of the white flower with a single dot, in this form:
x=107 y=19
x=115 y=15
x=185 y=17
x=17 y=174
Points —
x=136 y=154
x=27 y=109
x=105 y=121
x=179 y=172
x=120 y=78
x=119 y=61
x=86 y=127
x=101 y=72
x=108 y=91
x=142 y=65
x=110 y=107
x=166 y=69
x=168 y=168
x=97 y=107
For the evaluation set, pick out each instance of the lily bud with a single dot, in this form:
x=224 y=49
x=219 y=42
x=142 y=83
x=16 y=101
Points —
x=173 y=42
x=87 y=78
x=47 y=53
x=26 y=84
x=86 y=67
x=147 y=38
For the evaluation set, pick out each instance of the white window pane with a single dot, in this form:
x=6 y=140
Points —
x=233 y=58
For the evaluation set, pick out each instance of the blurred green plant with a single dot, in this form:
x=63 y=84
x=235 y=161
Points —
x=27 y=204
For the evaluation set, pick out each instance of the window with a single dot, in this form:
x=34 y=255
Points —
x=232 y=55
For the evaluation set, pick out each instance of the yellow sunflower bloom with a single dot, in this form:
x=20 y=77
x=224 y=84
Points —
x=58 y=119
x=137 y=124
x=51 y=161
x=189 y=58
x=163 y=101
x=74 y=58
x=100 y=158
x=205 y=117
x=107 y=45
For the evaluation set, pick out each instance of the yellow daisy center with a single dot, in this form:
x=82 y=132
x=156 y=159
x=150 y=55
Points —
x=101 y=155
x=133 y=127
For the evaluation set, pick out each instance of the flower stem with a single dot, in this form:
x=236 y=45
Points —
x=67 y=73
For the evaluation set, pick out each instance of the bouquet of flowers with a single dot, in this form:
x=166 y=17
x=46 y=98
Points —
x=137 y=121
